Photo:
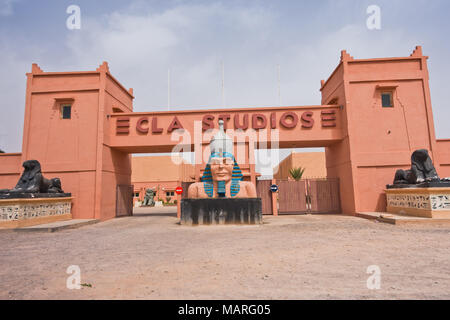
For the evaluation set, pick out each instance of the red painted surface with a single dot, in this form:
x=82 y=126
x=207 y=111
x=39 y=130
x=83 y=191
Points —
x=10 y=169
x=304 y=134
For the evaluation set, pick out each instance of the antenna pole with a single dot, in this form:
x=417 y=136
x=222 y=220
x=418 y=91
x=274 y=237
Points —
x=168 y=89
x=279 y=86
x=223 y=85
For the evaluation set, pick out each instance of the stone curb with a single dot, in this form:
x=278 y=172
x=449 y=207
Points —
x=55 y=226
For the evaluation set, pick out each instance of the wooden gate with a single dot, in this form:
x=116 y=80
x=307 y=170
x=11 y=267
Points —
x=324 y=196
x=263 y=192
x=124 y=200
x=308 y=196
x=292 y=196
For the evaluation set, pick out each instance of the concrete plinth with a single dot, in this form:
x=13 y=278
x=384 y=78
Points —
x=419 y=202
x=17 y=213
x=221 y=211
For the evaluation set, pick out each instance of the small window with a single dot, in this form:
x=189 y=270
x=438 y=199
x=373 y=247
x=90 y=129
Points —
x=333 y=101
x=66 y=111
x=386 y=100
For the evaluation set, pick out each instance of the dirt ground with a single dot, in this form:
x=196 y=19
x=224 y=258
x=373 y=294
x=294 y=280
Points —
x=150 y=256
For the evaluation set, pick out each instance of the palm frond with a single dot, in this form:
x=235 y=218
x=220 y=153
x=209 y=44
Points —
x=296 y=173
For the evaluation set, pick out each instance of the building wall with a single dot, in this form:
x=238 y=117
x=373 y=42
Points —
x=338 y=158
x=161 y=174
x=313 y=162
x=443 y=156
x=159 y=187
x=161 y=168
x=76 y=149
x=10 y=169
x=379 y=140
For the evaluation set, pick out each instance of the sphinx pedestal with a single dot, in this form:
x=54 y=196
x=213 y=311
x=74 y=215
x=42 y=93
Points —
x=221 y=211
x=419 y=202
x=27 y=211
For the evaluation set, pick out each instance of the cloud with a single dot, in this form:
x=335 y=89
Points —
x=12 y=91
x=6 y=7
x=15 y=62
x=142 y=41
x=191 y=40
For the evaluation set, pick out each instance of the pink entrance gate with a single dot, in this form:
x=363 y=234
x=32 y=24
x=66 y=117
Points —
x=263 y=192
x=365 y=139
x=323 y=196
x=308 y=196
x=292 y=197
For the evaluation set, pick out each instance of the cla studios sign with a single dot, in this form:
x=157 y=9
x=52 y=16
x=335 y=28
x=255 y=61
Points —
x=288 y=120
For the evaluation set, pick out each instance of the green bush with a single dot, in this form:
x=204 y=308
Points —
x=297 y=173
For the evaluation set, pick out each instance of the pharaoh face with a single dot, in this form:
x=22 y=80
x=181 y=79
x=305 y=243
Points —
x=221 y=168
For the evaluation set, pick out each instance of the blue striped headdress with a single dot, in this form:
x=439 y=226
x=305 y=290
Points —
x=235 y=178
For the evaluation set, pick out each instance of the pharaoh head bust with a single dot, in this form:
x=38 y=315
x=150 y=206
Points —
x=222 y=177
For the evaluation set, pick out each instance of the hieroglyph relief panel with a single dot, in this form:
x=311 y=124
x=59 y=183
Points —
x=29 y=211
x=419 y=201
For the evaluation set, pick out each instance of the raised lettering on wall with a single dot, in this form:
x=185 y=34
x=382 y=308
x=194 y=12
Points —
x=292 y=123
x=328 y=118
x=307 y=120
x=155 y=128
x=140 y=125
x=175 y=124
x=239 y=121
x=244 y=125
x=123 y=125
x=259 y=121
x=225 y=118
x=207 y=122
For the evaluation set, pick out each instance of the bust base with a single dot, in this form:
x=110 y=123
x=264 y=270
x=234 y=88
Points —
x=221 y=211
x=24 y=212
x=419 y=202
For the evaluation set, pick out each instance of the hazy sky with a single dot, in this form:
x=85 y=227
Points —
x=142 y=39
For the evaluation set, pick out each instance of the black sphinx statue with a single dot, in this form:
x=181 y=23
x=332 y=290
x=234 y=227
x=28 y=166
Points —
x=421 y=175
x=32 y=184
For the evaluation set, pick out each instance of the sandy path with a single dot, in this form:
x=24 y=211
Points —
x=291 y=257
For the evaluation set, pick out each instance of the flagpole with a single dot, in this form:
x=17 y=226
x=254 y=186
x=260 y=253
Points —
x=223 y=85
x=168 y=89
x=279 y=86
